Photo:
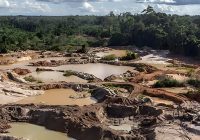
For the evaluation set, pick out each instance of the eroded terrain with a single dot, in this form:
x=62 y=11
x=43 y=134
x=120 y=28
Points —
x=89 y=98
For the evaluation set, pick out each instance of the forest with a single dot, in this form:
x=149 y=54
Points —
x=179 y=34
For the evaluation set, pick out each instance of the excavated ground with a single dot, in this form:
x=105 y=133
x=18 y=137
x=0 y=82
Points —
x=127 y=107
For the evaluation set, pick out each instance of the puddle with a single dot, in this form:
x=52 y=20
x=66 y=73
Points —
x=35 y=132
x=124 y=127
x=58 y=97
x=54 y=76
x=99 y=70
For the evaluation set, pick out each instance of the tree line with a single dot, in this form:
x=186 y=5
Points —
x=179 y=34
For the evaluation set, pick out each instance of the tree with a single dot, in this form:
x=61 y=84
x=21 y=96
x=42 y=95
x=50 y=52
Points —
x=148 y=10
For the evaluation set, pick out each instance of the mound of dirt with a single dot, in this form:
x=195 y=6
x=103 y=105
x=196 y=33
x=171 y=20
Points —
x=21 y=71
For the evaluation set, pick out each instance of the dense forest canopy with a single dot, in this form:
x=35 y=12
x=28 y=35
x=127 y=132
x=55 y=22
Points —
x=179 y=34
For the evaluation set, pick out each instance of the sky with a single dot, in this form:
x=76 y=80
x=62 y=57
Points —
x=96 y=7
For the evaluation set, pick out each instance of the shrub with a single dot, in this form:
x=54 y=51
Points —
x=68 y=73
x=109 y=57
x=190 y=72
x=194 y=82
x=32 y=79
x=83 y=49
x=3 y=49
x=167 y=83
x=97 y=43
x=130 y=56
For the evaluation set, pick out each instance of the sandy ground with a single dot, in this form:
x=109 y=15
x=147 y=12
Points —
x=11 y=92
x=178 y=77
x=159 y=100
x=173 y=132
x=177 y=89
x=117 y=53
x=150 y=83
x=6 y=99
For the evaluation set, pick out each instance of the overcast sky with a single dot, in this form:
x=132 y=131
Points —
x=96 y=7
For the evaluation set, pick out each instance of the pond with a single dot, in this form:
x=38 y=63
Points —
x=59 y=97
x=54 y=76
x=35 y=132
x=97 y=69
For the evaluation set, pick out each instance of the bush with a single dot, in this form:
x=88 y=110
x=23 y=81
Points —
x=3 y=49
x=109 y=57
x=68 y=73
x=194 y=82
x=32 y=79
x=118 y=39
x=190 y=72
x=167 y=83
x=130 y=56
x=83 y=49
x=76 y=41
x=97 y=43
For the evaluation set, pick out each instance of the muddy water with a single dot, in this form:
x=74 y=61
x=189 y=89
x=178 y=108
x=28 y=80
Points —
x=124 y=127
x=158 y=59
x=53 y=76
x=58 y=97
x=99 y=70
x=35 y=132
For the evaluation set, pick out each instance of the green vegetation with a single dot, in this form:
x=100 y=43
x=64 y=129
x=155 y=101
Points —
x=129 y=56
x=141 y=96
x=68 y=73
x=190 y=72
x=179 y=34
x=32 y=79
x=167 y=83
x=110 y=57
x=125 y=86
x=194 y=82
x=83 y=49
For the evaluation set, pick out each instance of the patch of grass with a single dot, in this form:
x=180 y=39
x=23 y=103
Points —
x=194 y=82
x=32 y=79
x=167 y=83
x=190 y=72
x=68 y=73
x=141 y=96
x=109 y=57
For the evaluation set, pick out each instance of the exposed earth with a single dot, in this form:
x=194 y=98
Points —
x=86 y=97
